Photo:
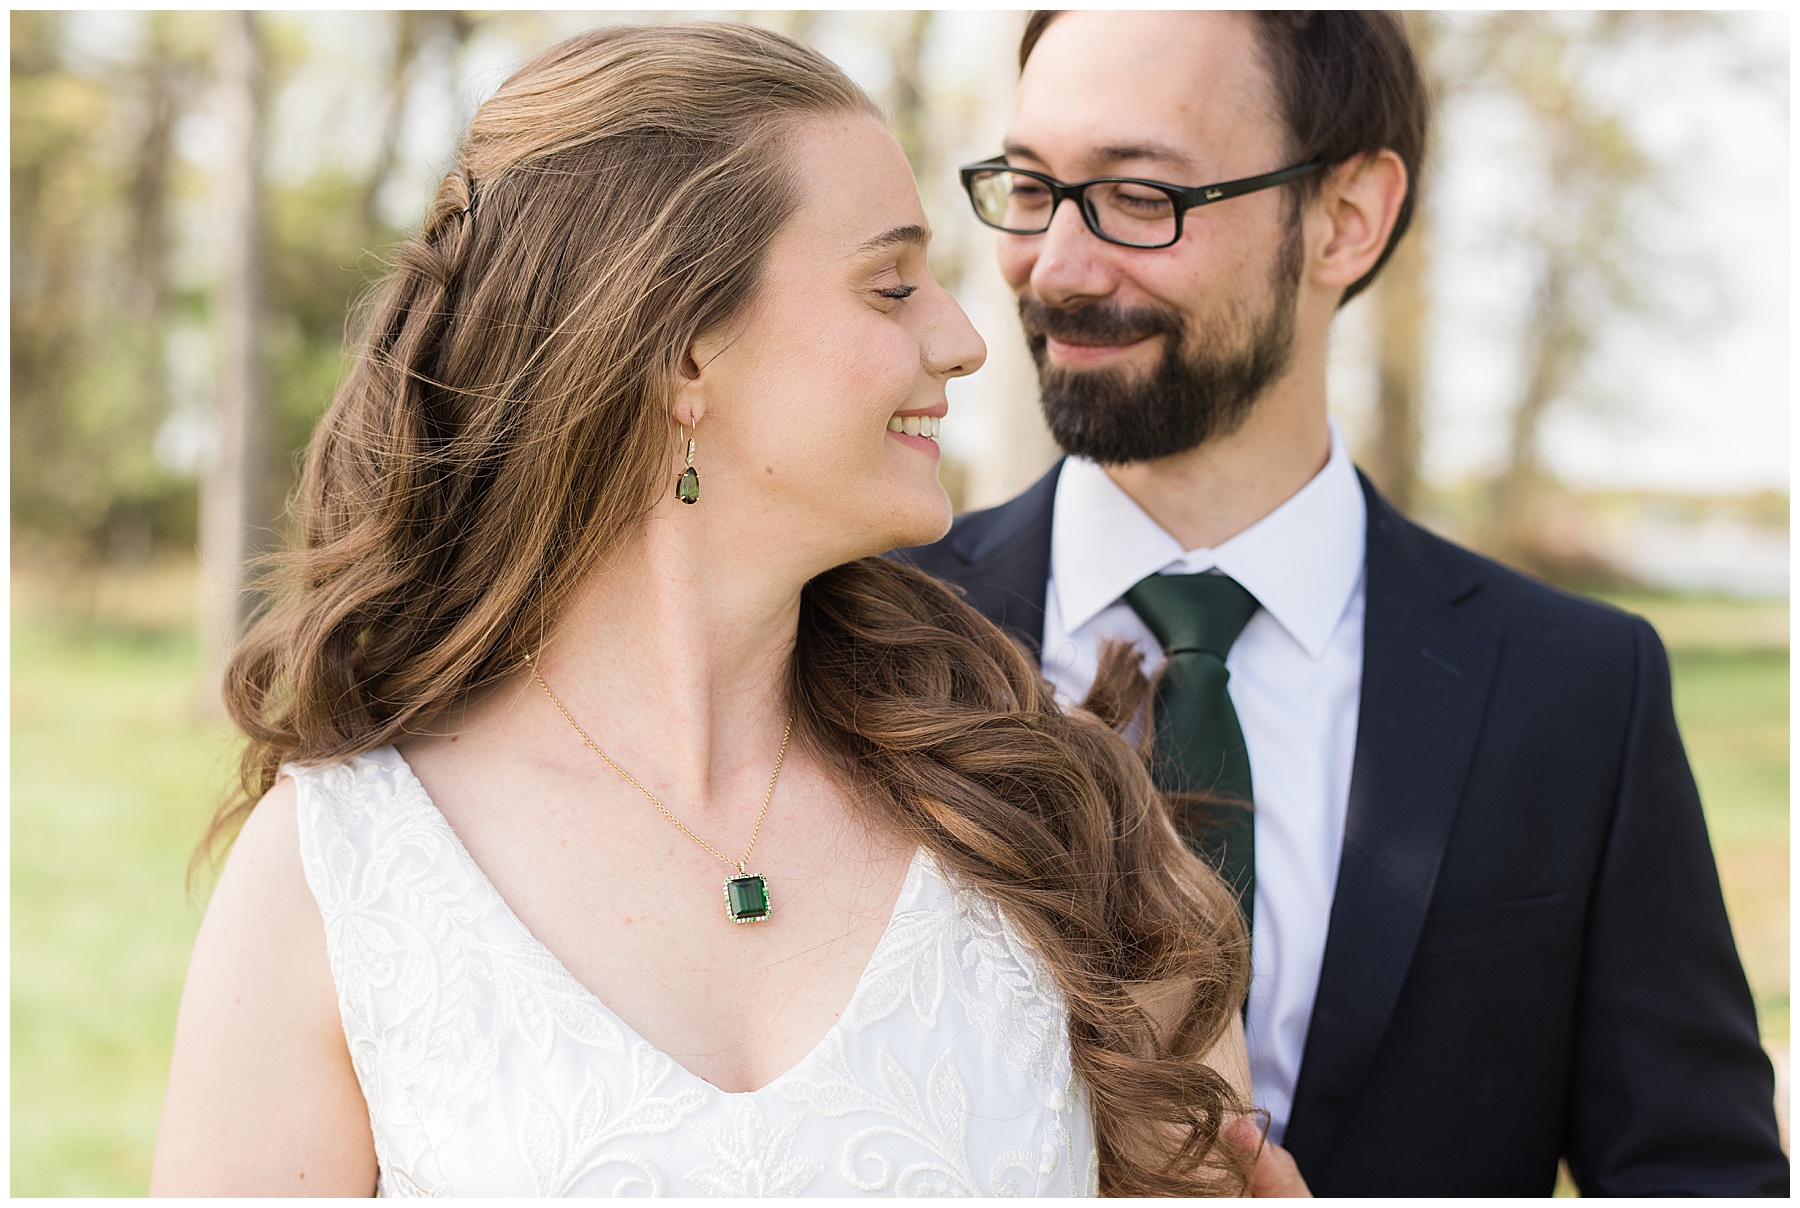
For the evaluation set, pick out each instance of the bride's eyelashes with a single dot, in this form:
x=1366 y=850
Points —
x=899 y=293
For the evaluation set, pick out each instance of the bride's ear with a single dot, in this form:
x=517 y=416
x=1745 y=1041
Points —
x=698 y=375
x=690 y=390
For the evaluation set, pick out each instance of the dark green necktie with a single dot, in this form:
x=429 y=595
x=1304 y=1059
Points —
x=1199 y=744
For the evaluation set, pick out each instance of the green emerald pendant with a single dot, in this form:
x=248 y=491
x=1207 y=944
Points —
x=747 y=898
x=687 y=487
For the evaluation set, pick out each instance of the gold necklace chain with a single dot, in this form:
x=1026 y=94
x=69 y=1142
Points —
x=740 y=865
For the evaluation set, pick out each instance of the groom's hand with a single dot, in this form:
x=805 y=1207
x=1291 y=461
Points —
x=1275 y=1175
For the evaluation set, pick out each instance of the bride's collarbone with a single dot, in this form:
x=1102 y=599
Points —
x=637 y=913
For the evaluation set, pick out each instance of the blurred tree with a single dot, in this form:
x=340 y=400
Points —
x=1578 y=223
x=1401 y=308
x=1584 y=246
x=236 y=493
x=301 y=254
x=416 y=35
x=926 y=123
x=402 y=67
x=906 y=102
x=91 y=184
x=1575 y=219
x=327 y=230
x=108 y=195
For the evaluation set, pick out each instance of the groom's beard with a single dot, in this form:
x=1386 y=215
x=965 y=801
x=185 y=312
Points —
x=1204 y=386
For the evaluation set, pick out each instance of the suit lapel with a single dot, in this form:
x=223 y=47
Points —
x=1006 y=552
x=1426 y=673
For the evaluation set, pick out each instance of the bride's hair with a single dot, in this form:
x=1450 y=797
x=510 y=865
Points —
x=506 y=427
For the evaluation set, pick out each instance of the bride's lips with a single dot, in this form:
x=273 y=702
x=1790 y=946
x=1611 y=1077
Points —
x=920 y=421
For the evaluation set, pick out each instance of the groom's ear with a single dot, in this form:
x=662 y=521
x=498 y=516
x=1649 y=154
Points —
x=1361 y=200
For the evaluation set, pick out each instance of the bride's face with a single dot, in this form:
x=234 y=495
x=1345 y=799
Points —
x=848 y=333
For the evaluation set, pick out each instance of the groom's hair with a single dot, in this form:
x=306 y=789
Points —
x=1347 y=83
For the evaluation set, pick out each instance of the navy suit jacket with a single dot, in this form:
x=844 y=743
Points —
x=1528 y=956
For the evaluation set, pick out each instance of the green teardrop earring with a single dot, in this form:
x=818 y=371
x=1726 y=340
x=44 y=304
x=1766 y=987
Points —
x=687 y=487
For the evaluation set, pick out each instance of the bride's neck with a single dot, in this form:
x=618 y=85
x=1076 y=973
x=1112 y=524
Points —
x=677 y=647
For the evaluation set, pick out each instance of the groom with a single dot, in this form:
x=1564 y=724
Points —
x=1487 y=929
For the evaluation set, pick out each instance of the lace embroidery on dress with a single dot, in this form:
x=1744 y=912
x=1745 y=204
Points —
x=490 y=1070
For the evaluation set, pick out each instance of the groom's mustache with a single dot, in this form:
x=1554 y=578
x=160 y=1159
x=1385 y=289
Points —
x=1095 y=323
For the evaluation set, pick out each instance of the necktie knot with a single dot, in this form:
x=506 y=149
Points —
x=1203 y=612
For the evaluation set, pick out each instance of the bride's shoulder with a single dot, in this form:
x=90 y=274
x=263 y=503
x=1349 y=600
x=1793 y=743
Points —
x=380 y=763
x=368 y=780
x=260 y=1065
x=346 y=812
x=261 y=889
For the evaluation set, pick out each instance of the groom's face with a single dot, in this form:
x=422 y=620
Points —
x=1143 y=353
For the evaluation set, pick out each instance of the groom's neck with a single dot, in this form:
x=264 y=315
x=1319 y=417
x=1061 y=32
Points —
x=1213 y=492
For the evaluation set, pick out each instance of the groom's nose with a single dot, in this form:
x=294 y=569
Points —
x=1067 y=264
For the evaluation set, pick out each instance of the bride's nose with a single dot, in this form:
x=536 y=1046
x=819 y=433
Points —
x=953 y=348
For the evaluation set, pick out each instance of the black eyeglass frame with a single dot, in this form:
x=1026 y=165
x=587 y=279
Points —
x=1183 y=198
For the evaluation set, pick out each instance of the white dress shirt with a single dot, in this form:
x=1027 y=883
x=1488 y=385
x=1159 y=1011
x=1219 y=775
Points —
x=1296 y=675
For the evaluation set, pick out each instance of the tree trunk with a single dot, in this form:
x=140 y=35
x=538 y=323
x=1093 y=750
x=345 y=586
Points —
x=405 y=25
x=1401 y=309
x=907 y=102
x=1553 y=345
x=418 y=35
x=234 y=510
x=150 y=168
x=1402 y=312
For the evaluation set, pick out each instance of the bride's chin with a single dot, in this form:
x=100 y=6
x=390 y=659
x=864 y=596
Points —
x=925 y=522
x=918 y=517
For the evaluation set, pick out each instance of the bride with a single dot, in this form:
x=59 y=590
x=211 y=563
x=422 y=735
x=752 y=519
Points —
x=620 y=823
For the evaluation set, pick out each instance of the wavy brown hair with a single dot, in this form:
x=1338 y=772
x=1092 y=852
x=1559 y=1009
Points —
x=502 y=433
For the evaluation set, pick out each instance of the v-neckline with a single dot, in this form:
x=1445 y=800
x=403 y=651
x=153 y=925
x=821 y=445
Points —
x=920 y=862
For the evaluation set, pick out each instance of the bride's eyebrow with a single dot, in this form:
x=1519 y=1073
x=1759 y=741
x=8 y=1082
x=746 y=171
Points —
x=895 y=237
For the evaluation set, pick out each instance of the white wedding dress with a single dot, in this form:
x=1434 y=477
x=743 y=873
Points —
x=489 y=1070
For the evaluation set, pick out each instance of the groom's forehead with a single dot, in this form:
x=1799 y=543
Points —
x=1100 y=89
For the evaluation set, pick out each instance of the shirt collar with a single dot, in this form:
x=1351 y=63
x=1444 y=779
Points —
x=1302 y=561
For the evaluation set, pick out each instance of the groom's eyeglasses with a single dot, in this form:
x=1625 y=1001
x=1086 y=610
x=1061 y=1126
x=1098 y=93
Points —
x=1118 y=209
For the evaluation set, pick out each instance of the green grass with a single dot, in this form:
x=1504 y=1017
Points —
x=1733 y=711
x=112 y=777
x=1729 y=662
x=1734 y=715
x=114 y=773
